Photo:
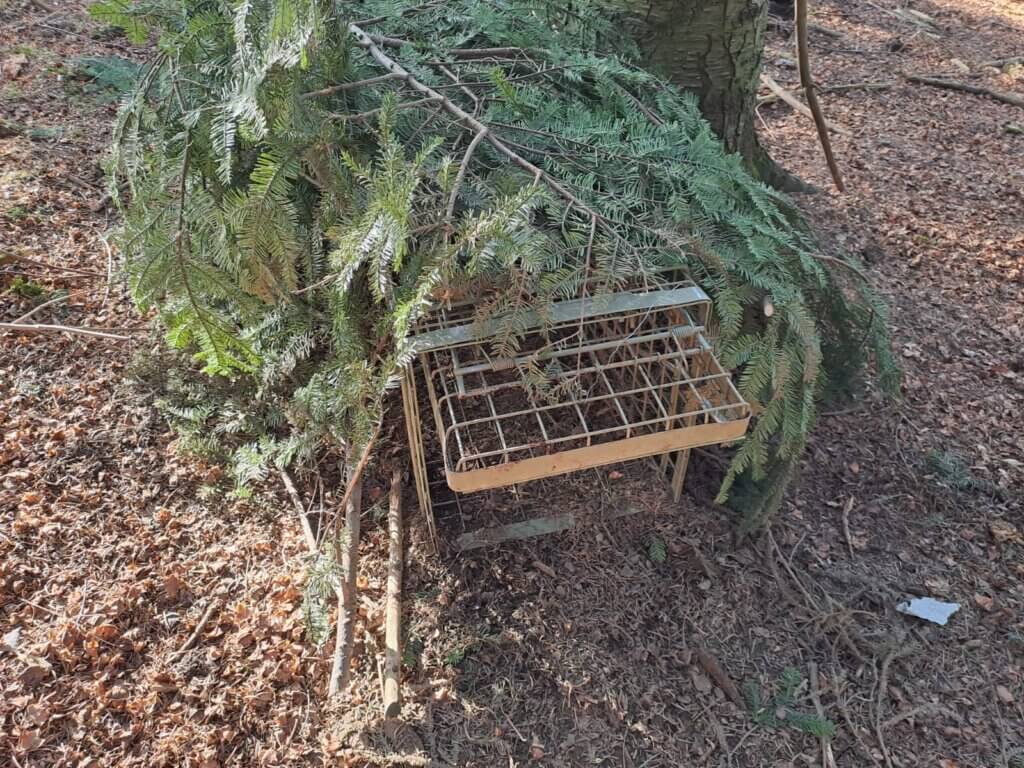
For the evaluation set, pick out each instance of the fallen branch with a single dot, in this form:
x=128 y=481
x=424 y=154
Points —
x=300 y=510
x=927 y=708
x=347 y=589
x=369 y=43
x=883 y=691
x=42 y=328
x=881 y=85
x=783 y=95
x=803 y=57
x=374 y=112
x=44 y=265
x=1010 y=61
x=979 y=90
x=393 y=608
x=352 y=503
x=846 y=524
x=460 y=177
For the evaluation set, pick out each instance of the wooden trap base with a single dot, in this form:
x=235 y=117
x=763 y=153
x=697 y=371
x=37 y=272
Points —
x=600 y=380
x=434 y=493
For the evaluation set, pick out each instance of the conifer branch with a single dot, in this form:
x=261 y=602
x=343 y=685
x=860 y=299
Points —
x=368 y=43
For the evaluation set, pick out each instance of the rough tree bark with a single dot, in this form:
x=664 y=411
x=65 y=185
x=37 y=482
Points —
x=714 y=49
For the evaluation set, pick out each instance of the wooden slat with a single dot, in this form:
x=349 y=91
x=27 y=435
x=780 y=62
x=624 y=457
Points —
x=596 y=456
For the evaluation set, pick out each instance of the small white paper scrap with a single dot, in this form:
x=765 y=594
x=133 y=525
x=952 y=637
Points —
x=929 y=609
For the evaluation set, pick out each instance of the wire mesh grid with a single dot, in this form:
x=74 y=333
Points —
x=595 y=381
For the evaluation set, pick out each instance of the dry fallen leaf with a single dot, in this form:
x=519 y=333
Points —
x=35 y=673
x=700 y=681
x=12 y=65
x=1004 y=694
x=536 y=749
x=984 y=602
x=106 y=632
x=1003 y=532
x=37 y=714
x=28 y=741
x=172 y=587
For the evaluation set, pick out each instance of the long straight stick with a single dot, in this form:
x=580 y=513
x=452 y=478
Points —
x=347 y=589
x=807 y=82
x=393 y=608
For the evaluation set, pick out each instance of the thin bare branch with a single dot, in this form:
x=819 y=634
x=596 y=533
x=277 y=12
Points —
x=41 y=307
x=807 y=81
x=341 y=87
x=783 y=95
x=300 y=510
x=349 y=560
x=367 y=42
x=978 y=90
x=44 y=265
x=463 y=168
x=374 y=112
x=46 y=328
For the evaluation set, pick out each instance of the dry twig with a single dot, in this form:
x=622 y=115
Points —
x=846 y=524
x=807 y=82
x=783 y=95
x=393 y=607
x=347 y=589
x=357 y=475
x=300 y=510
x=979 y=90
x=372 y=46
x=44 y=305
x=47 y=328
x=203 y=621
x=43 y=265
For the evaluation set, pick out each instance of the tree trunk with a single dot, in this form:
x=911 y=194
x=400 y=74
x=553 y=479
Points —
x=713 y=48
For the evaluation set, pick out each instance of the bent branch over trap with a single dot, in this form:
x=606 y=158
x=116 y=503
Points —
x=592 y=381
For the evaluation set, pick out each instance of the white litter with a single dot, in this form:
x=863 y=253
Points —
x=929 y=609
x=10 y=641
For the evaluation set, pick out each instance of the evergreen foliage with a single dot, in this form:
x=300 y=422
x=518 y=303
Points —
x=293 y=207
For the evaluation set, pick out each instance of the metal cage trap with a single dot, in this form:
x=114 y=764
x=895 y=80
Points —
x=593 y=381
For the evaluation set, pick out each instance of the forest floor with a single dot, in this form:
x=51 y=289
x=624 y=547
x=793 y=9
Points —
x=584 y=648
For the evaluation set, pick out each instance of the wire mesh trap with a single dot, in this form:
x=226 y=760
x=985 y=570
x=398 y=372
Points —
x=593 y=381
